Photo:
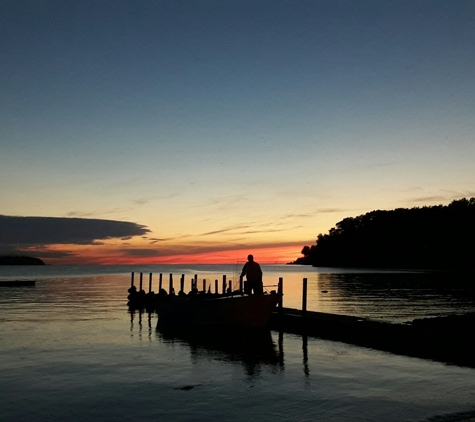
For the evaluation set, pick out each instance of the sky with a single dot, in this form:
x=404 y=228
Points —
x=200 y=131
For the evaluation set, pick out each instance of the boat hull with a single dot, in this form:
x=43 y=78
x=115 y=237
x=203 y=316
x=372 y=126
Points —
x=247 y=311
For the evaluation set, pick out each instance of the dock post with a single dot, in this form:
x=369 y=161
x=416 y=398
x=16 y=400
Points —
x=141 y=276
x=280 y=290
x=230 y=286
x=195 y=282
x=150 y=283
x=160 y=279
x=132 y=280
x=182 y=283
x=224 y=284
x=216 y=283
x=304 y=298
x=204 y=285
x=170 y=288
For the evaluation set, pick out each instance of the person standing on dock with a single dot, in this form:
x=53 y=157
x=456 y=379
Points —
x=252 y=271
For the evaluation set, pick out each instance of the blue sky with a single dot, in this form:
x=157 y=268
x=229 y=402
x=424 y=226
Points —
x=231 y=125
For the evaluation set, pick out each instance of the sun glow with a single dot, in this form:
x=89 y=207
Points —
x=277 y=255
x=87 y=255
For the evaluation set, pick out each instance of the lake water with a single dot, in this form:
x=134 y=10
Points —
x=69 y=349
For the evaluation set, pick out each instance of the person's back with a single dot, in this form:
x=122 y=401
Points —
x=252 y=271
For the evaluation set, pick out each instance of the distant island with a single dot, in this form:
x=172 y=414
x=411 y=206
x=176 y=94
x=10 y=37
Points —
x=432 y=237
x=20 y=260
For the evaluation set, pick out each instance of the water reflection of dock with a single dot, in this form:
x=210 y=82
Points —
x=251 y=348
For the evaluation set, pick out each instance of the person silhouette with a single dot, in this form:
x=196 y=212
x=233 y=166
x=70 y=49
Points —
x=252 y=271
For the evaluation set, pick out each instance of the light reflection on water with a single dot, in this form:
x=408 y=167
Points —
x=70 y=349
x=394 y=296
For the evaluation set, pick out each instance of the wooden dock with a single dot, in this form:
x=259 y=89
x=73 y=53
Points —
x=446 y=339
x=449 y=339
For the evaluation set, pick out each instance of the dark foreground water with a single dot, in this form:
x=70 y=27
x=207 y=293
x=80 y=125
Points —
x=69 y=349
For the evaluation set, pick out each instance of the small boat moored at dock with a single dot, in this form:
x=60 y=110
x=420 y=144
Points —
x=246 y=311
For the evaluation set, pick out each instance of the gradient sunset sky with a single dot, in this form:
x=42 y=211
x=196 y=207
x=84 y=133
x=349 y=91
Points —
x=201 y=131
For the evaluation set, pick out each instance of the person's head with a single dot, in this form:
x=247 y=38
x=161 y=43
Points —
x=250 y=258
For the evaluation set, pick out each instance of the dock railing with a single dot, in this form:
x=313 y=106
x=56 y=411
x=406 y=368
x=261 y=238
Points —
x=227 y=285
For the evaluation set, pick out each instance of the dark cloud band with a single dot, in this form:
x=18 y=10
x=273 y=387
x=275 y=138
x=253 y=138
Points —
x=27 y=231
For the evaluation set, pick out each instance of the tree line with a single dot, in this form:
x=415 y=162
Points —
x=430 y=237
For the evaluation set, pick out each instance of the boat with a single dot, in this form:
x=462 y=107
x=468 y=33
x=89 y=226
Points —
x=17 y=283
x=244 y=311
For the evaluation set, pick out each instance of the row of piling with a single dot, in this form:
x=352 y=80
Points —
x=226 y=287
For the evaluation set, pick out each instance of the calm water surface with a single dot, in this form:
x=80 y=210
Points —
x=69 y=348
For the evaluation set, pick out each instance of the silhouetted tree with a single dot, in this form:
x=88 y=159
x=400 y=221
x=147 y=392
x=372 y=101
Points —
x=436 y=237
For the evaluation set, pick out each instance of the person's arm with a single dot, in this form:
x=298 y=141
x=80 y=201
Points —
x=244 y=270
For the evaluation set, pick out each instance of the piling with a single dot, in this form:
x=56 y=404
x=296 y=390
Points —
x=304 y=298
x=182 y=283
x=141 y=278
x=224 y=284
x=132 y=280
x=280 y=290
x=150 y=283
x=160 y=279
x=216 y=283
x=170 y=287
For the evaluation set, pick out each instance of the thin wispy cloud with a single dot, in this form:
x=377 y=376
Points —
x=141 y=252
x=315 y=213
x=44 y=252
x=442 y=198
x=192 y=248
x=154 y=240
x=82 y=214
x=264 y=231
x=429 y=199
x=226 y=230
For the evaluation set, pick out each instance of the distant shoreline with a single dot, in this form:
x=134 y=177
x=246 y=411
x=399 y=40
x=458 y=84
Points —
x=20 y=260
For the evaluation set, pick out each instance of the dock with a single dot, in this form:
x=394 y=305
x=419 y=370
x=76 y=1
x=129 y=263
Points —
x=446 y=339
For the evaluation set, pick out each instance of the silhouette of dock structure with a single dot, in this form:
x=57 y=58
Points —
x=446 y=339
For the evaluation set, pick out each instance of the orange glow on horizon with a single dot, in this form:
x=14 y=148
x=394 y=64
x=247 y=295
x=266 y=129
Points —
x=277 y=255
x=111 y=256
